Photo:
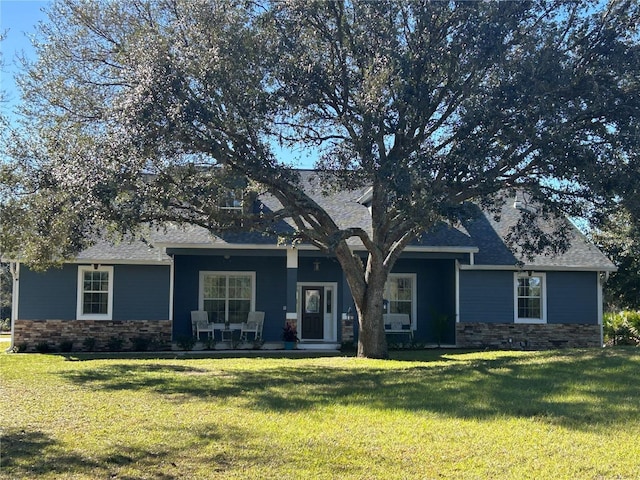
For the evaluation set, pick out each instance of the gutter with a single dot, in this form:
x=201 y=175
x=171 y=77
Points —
x=306 y=247
x=542 y=268
x=14 y=268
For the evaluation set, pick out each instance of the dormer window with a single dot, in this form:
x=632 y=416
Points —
x=235 y=206
x=232 y=200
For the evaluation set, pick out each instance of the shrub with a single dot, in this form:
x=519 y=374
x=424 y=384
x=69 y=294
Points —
x=44 y=347
x=209 y=343
x=66 y=346
x=348 y=346
x=5 y=325
x=622 y=328
x=140 y=344
x=186 y=342
x=114 y=344
x=290 y=333
x=89 y=344
x=20 y=347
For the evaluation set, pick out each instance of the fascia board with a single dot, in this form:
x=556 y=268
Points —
x=549 y=268
x=117 y=261
x=248 y=246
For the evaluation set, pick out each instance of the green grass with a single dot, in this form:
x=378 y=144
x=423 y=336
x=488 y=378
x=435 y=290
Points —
x=500 y=415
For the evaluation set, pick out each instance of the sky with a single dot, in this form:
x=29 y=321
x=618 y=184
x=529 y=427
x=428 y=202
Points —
x=18 y=19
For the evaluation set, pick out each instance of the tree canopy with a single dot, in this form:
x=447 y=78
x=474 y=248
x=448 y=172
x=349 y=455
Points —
x=139 y=111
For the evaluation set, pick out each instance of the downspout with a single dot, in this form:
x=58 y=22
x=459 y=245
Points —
x=171 y=291
x=14 y=268
x=457 y=291
x=602 y=279
x=457 y=287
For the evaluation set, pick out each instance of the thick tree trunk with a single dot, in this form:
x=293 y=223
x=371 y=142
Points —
x=372 y=342
x=367 y=288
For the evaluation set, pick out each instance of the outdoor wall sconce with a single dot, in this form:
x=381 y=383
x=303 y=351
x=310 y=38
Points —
x=316 y=266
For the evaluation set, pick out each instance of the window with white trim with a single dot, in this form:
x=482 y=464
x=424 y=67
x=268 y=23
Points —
x=95 y=293
x=400 y=294
x=227 y=296
x=530 y=301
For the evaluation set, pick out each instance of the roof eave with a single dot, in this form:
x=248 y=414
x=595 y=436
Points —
x=548 y=268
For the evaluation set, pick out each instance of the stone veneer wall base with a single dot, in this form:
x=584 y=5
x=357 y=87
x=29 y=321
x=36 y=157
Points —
x=527 y=336
x=30 y=333
x=346 y=326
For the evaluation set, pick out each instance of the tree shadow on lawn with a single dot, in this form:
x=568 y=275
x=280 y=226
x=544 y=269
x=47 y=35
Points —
x=578 y=389
x=29 y=454
x=34 y=454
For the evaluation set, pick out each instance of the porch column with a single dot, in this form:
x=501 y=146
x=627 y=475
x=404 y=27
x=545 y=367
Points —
x=292 y=285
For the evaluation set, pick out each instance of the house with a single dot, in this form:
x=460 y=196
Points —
x=459 y=286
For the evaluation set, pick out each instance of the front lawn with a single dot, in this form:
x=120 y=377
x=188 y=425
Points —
x=500 y=415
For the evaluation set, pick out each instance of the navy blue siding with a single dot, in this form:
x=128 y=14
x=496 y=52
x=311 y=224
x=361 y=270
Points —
x=49 y=295
x=486 y=296
x=140 y=292
x=329 y=270
x=572 y=297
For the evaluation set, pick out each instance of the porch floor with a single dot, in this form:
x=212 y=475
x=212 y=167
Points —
x=276 y=349
x=265 y=347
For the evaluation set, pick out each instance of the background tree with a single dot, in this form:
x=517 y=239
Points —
x=132 y=105
x=619 y=238
x=617 y=232
x=6 y=290
x=6 y=279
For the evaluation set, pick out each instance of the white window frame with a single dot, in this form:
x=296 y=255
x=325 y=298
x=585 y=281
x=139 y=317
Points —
x=543 y=299
x=414 y=294
x=227 y=274
x=80 y=288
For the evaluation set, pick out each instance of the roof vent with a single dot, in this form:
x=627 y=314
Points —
x=523 y=205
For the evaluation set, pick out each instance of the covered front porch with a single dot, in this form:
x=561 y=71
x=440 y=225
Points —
x=305 y=289
x=301 y=288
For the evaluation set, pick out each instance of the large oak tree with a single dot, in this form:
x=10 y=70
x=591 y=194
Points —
x=137 y=112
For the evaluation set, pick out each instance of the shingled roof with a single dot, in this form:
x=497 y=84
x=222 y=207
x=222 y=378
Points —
x=483 y=236
x=490 y=236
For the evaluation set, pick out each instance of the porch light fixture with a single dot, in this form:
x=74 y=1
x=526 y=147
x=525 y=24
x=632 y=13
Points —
x=316 y=266
x=96 y=266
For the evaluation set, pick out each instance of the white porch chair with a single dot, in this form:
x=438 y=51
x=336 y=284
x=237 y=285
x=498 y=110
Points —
x=398 y=323
x=254 y=324
x=200 y=323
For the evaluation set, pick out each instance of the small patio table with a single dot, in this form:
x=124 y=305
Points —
x=227 y=335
